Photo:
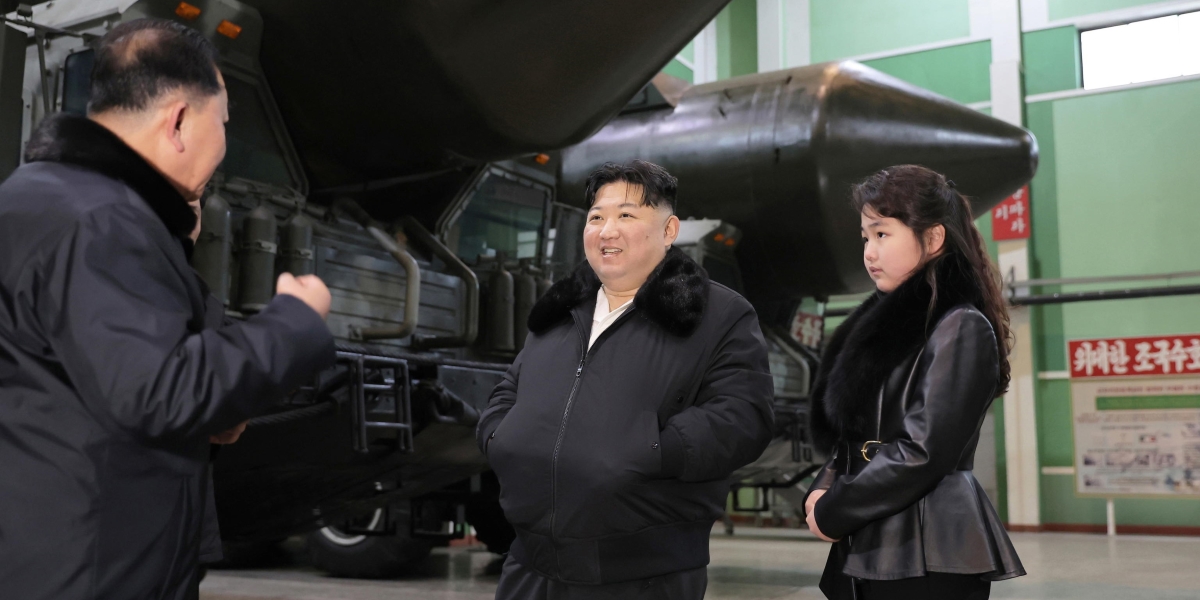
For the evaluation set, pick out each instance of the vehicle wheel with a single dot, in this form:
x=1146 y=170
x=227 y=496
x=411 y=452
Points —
x=363 y=556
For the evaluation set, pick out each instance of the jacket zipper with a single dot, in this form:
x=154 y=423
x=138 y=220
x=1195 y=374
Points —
x=585 y=352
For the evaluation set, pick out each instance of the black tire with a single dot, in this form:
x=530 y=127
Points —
x=364 y=556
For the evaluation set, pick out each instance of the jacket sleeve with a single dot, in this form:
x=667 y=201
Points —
x=822 y=481
x=954 y=385
x=115 y=311
x=733 y=420
x=503 y=397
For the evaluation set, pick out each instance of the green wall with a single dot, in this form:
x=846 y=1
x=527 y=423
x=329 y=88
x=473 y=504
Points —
x=1051 y=60
x=958 y=72
x=1115 y=194
x=737 y=39
x=678 y=69
x=1128 y=188
x=1065 y=9
x=842 y=29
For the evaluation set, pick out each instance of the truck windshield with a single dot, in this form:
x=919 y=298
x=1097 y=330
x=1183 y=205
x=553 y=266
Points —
x=252 y=151
x=502 y=216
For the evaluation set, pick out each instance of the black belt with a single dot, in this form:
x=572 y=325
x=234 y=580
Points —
x=853 y=457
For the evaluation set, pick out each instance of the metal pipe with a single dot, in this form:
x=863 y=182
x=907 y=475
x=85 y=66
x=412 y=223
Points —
x=412 y=283
x=414 y=230
x=1127 y=294
x=39 y=37
x=1028 y=283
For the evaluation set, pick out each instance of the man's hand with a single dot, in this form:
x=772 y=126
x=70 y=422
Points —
x=308 y=288
x=228 y=437
x=810 y=510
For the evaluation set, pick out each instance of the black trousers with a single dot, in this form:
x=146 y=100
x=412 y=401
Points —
x=939 y=586
x=518 y=582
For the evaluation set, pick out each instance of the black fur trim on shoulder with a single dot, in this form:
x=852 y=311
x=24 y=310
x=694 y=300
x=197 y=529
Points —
x=675 y=295
x=79 y=141
x=564 y=295
x=878 y=336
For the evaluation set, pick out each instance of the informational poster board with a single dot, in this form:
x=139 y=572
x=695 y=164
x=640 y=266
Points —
x=1137 y=435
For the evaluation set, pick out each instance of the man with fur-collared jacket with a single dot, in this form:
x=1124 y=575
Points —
x=113 y=378
x=641 y=388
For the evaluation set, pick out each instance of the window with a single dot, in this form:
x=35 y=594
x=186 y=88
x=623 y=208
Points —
x=502 y=216
x=252 y=150
x=77 y=82
x=1142 y=51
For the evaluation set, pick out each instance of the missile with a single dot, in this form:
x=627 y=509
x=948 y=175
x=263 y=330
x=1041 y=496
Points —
x=775 y=154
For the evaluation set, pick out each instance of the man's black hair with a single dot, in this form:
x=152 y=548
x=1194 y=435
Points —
x=658 y=186
x=140 y=60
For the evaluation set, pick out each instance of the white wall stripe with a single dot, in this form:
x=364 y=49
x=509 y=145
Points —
x=1076 y=93
x=1124 y=15
x=1058 y=470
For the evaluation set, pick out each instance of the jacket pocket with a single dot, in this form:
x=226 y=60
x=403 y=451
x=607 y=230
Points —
x=646 y=458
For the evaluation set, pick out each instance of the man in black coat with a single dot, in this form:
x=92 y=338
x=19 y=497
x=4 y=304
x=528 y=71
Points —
x=110 y=383
x=641 y=388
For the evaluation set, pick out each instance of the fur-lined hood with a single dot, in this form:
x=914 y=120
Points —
x=674 y=296
x=879 y=336
x=75 y=140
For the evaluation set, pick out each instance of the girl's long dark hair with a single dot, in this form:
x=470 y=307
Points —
x=922 y=198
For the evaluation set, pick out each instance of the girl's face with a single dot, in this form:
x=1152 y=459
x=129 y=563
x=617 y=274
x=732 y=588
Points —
x=892 y=251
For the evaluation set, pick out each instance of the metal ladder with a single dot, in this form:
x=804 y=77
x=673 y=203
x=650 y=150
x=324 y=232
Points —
x=398 y=387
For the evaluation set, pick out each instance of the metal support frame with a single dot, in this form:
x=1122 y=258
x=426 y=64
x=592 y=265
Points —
x=455 y=500
x=399 y=389
x=794 y=418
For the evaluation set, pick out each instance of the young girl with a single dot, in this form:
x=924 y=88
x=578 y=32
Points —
x=899 y=400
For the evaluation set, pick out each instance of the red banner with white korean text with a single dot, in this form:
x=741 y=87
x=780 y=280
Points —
x=1135 y=357
x=1010 y=218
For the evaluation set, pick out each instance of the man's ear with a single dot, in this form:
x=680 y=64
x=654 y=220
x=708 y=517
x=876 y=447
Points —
x=177 y=114
x=672 y=229
x=935 y=239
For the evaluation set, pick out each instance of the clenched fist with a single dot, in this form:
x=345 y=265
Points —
x=308 y=288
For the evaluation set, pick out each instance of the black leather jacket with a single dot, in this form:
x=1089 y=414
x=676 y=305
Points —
x=905 y=410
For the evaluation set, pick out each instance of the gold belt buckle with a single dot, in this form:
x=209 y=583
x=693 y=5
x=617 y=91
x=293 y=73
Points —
x=864 y=449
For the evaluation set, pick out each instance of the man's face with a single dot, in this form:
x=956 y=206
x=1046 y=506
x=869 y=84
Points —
x=203 y=136
x=624 y=239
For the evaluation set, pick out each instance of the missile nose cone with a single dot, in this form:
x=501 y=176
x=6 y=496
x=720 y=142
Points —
x=874 y=120
x=775 y=154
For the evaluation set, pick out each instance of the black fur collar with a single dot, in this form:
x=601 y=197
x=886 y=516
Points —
x=79 y=141
x=878 y=336
x=674 y=296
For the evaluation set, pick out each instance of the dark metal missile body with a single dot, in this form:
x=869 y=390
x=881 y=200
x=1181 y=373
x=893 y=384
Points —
x=775 y=153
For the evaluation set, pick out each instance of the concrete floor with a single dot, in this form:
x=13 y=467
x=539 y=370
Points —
x=771 y=563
